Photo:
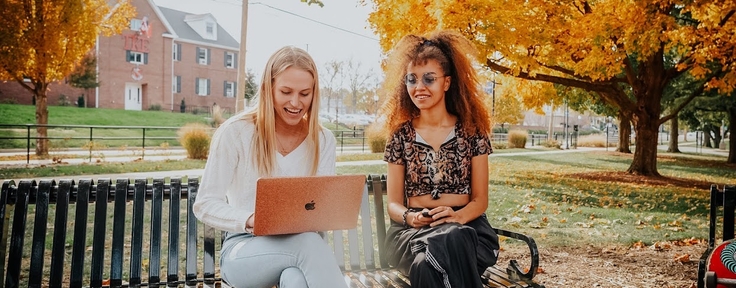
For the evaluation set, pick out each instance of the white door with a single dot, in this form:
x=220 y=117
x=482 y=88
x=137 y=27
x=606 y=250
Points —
x=133 y=96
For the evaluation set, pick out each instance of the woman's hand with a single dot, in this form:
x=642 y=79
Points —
x=443 y=214
x=418 y=220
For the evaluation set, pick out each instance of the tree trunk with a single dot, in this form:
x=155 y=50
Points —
x=731 y=136
x=645 y=154
x=673 y=147
x=624 y=133
x=42 y=118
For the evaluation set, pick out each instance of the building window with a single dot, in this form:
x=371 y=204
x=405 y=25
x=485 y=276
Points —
x=202 y=86
x=203 y=56
x=135 y=24
x=136 y=57
x=229 y=59
x=210 y=28
x=176 y=84
x=176 y=51
x=229 y=89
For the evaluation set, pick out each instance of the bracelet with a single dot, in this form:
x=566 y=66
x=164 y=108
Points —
x=403 y=217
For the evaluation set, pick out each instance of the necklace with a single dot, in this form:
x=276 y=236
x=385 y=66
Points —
x=283 y=149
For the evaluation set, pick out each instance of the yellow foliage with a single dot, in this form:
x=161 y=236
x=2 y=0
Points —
x=195 y=138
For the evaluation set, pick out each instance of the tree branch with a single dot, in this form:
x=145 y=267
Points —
x=605 y=87
x=696 y=92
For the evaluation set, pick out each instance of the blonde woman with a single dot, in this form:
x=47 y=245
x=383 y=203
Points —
x=282 y=137
x=437 y=154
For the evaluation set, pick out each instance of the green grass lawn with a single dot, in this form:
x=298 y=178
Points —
x=14 y=114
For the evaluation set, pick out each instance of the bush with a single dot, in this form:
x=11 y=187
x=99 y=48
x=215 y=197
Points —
x=551 y=144
x=217 y=118
x=195 y=138
x=594 y=140
x=155 y=107
x=64 y=100
x=498 y=145
x=517 y=139
x=376 y=139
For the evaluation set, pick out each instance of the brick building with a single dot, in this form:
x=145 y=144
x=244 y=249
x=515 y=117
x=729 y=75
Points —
x=164 y=57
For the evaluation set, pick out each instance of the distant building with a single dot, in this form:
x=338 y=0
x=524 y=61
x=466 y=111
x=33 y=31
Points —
x=163 y=57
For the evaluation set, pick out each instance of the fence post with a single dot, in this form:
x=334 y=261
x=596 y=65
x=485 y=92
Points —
x=28 y=144
x=143 y=145
x=90 y=144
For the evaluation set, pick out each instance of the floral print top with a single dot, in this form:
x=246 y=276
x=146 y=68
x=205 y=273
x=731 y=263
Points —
x=435 y=172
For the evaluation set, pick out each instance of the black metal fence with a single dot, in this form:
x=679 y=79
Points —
x=98 y=137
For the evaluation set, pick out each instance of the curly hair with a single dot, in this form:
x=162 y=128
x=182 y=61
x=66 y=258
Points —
x=453 y=52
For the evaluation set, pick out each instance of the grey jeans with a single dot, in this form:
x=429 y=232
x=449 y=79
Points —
x=297 y=260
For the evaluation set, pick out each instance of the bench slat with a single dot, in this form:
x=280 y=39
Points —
x=154 y=260
x=209 y=255
x=354 y=250
x=136 y=239
x=338 y=248
x=376 y=184
x=16 y=236
x=118 y=232
x=60 y=231
x=38 y=244
x=98 y=233
x=173 y=257
x=4 y=222
x=191 y=264
x=365 y=217
x=80 y=233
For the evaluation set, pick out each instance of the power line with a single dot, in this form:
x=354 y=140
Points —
x=300 y=16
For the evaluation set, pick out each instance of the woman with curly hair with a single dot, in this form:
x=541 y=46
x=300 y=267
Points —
x=437 y=154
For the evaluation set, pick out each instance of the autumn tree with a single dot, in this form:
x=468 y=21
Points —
x=42 y=41
x=612 y=48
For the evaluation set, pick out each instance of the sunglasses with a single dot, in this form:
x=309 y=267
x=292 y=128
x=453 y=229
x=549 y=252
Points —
x=427 y=79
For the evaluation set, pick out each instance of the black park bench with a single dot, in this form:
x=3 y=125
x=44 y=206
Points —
x=725 y=198
x=62 y=233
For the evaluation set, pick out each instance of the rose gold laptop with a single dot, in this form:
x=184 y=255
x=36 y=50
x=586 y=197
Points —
x=288 y=205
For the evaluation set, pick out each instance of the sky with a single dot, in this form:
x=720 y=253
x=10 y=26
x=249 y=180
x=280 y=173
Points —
x=343 y=34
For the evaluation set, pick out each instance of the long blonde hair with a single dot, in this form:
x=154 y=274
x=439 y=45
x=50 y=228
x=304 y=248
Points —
x=263 y=147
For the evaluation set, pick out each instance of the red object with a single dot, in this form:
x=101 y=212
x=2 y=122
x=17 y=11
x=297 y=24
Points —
x=722 y=262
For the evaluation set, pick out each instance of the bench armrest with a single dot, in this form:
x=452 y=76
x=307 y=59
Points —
x=513 y=269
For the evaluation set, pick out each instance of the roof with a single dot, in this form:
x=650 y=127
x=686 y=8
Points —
x=177 y=19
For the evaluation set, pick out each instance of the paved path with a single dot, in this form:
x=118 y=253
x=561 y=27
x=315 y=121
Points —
x=198 y=172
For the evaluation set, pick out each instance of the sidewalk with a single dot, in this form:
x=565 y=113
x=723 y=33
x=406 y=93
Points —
x=199 y=172
x=174 y=154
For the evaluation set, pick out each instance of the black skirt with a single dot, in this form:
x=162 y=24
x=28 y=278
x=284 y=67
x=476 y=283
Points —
x=448 y=255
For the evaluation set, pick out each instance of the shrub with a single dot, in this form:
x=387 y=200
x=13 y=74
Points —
x=64 y=100
x=155 y=107
x=551 y=144
x=498 y=145
x=195 y=138
x=517 y=139
x=376 y=139
x=594 y=140
x=217 y=117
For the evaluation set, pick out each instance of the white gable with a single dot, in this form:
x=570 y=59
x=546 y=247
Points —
x=204 y=24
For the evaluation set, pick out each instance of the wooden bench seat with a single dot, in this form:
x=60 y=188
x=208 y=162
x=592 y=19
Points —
x=58 y=233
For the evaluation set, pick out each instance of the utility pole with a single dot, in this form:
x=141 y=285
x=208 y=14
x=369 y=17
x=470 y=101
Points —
x=242 y=72
x=492 y=86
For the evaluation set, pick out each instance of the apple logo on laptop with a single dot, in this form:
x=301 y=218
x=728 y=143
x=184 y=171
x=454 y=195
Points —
x=309 y=206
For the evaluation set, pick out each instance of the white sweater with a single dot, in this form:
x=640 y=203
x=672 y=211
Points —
x=227 y=194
